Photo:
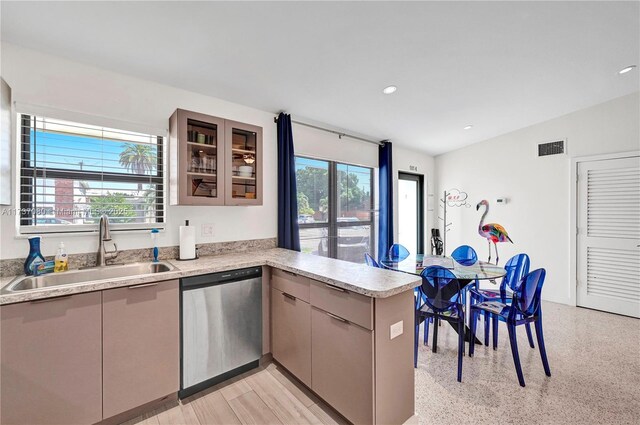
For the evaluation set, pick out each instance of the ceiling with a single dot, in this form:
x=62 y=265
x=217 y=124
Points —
x=498 y=66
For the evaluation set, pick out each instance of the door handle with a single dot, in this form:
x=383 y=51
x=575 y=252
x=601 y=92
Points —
x=142 y=286
x=290 y=273
x=51 y=299
x=335 y=288
x=291 y=297
x=338 y=318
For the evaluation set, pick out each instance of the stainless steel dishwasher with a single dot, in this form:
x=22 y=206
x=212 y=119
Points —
x=221 y=332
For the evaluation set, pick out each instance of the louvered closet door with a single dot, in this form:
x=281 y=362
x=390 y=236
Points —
x=609 y=235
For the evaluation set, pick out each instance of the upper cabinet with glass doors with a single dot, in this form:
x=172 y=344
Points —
x=214 y=161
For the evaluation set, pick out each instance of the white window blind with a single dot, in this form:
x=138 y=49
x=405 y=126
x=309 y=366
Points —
x=72 y=173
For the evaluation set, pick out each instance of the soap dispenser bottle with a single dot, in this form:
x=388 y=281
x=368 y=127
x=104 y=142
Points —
x=154 y=239
x=61 y=259
x=35 y=256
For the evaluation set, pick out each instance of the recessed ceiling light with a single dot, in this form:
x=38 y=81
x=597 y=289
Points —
x=389 y=89
x=627 y=69
x=468 y=127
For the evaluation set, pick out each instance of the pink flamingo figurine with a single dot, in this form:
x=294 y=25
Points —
x=493 y=231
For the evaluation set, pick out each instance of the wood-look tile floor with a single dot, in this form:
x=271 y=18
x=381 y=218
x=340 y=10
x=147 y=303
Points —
x=267 y=395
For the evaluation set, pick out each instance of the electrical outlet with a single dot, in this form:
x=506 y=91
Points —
x=396 y=329
x=207 y=230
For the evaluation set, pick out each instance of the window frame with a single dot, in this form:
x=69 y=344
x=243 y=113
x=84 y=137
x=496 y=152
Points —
x=332 y=225
x=27 y=175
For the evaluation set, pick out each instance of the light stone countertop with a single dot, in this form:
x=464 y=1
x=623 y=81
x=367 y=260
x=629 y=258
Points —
x=359 y=278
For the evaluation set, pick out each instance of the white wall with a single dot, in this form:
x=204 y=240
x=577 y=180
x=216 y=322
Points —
x=107 y=98
x=416 y=163
x=323 y=145
x=44 y=80
x=538 y=214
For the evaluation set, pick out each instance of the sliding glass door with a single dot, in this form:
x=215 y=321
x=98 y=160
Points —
x=335 y=209
x=411 y=212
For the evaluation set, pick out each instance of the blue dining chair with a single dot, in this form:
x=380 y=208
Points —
x=524 y=308
x=517 y=267
x=370 y=260
x=465 y=255
x=442 y=301
x=398 y=252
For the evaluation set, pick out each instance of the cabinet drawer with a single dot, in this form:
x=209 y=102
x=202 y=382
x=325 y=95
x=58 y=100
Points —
x=342 y=366
x=51 y=353
x=141 y=352
x=354 y=307
x=291 y=283
x=291 y=334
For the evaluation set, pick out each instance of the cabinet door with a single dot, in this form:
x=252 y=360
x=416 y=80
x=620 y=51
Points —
x=197 y=152
x=243 y=165
x=291 y=334
x=51 y=355
x=342 y=365
x=141 y=338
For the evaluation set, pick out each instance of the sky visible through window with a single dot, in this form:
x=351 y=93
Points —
x=90 y=161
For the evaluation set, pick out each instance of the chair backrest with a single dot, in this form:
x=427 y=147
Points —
x=516 y=268
x=398 y=252
x=526 y=297
x=465 y=255
x=440 y=288
x=370 y=260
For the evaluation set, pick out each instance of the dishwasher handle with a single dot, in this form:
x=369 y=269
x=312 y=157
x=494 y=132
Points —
x=220 y=278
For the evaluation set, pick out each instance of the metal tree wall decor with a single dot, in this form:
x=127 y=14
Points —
x=451 y=198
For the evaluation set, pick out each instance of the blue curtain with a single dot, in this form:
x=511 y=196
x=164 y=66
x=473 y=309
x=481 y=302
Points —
x=385 y=217
x=288 y=232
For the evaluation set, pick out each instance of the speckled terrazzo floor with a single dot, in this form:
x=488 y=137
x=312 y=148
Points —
x=595 y=367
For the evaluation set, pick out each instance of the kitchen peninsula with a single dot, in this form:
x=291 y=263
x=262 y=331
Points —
x=342 y=329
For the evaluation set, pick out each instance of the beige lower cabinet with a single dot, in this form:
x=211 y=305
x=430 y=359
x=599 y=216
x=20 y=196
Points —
x=291 y=334
x=141 y=345
x=342 y=365
x=51 y=354
x=340 y=344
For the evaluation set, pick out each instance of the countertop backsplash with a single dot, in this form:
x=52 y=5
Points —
x=14 y=266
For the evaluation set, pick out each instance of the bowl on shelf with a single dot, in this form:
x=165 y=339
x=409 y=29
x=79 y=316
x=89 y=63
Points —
x=245 y=171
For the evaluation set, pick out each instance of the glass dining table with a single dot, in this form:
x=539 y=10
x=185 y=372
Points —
x=480 y=270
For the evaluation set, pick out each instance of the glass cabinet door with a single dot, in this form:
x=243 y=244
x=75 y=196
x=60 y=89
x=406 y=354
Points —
x=243 y=164
x=201 y=157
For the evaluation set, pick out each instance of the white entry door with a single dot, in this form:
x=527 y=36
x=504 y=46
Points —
x=609 y=235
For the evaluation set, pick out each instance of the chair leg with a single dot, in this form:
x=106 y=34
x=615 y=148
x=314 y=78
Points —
x=543 y=351
x=472 y=339
x=415 y=342
x=460 y=347
x=477 y=316
x=486 y=327
x=436 y=323
x=472 y=301
x=494 y=321
x=514 y=352
x=426 y=330
x=528 y=328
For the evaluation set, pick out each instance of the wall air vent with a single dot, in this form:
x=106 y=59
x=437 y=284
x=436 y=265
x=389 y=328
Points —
x=552 y=148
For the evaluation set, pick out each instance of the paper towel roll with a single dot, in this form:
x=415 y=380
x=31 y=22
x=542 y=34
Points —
x=187 y=242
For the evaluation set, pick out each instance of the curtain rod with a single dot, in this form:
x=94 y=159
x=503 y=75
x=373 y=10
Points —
x=338 y=133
